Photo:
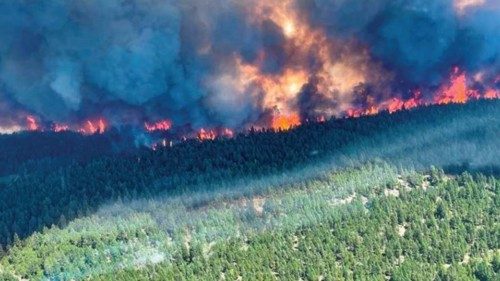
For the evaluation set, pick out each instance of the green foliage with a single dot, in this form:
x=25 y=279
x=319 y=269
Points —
x=358 y=224
x=287 y=202
x=58 y=178
x=5 y=276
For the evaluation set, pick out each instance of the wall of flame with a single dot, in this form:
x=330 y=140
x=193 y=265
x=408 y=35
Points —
x=215 y=67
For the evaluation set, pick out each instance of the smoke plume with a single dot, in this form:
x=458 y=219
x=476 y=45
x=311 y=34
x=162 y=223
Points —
x=233 y=64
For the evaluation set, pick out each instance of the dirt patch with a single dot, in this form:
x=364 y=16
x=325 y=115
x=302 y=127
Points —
x=347 y=200
x=466 y=259
x=401 y=229
x=364 y=200
x=258 y=205
x=391 y=192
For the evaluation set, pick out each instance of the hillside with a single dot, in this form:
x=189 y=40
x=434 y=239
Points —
x=184 y=211
x=44 y=192
x=369 y=223
x=241 y=140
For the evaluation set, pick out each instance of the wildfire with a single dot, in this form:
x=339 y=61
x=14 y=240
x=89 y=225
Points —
x=492 y=94
x=212 y=134
x=290 y=66
x=32 y=123
x=60 y=128
x=456 y=92
x=321 y=119
x=371 y=110
x=336 y=71
x=227 y=133
x=162 y=125
x=458 y=89
x=415 y=101
x=93 y=127
x=397 y=104
x=206 y=134
x=285 y=122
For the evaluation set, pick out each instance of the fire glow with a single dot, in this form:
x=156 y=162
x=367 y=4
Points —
x=32 y=123
x=456 y=90
x=334 y=76
x=286 y=68
x=212 y=134
x=93 y=127
x=285 y=122
x=60 y=128
x=162 y=125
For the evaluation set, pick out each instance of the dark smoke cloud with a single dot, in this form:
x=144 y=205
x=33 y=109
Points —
x=419 y=40
x=132 y=60
x=54 y=50
x=61 y=58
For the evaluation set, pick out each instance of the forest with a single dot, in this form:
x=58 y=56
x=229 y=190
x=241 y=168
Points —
x=92 y=207
x=370 y=223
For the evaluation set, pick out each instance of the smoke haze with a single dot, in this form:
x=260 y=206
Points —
x=234 y=63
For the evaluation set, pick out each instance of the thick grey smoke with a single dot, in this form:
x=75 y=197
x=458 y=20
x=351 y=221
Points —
x=136 y=60
x=59 y=57
x=419 y=40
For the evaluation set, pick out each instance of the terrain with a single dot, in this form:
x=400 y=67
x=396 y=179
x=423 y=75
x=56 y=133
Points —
x=411 y=195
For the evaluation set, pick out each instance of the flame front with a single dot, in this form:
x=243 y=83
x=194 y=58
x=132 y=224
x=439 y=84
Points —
x=32 y=123
x=285 y=122
x=282 y=63
x=91 y=127
x=162 y=125
x=333 y=68
x=456 y=92
x=60 y=128
x=212 y=134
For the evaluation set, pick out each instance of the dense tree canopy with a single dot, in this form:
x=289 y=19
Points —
x=59 y=187
x=369 y=223
x=43 y=191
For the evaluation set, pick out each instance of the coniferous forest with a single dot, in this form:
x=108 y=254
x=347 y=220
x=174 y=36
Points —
x=406 y=196
x=249 y=140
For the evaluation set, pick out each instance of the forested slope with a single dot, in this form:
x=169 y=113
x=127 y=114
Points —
x=373 y=222
x=26 y=151
x=450 y=136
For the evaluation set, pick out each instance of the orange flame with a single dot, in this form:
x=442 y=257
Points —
x=337 y=70
x=212 y=134
x=162 y=125
x=93 y=127
x=395 y=104
x=285 y=122
x=60 y=128
x=456 y=92
x=32 y=123
x=227 y=133
x=415 y=101
x=492 y=94
x=206 y=134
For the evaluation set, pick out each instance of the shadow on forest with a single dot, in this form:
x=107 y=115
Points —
x=487 y=170
x=457 y=138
